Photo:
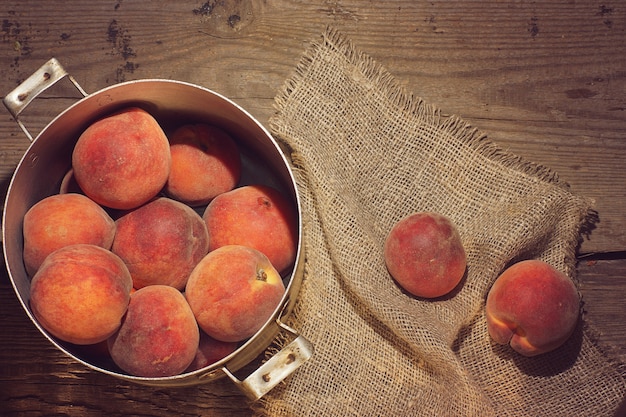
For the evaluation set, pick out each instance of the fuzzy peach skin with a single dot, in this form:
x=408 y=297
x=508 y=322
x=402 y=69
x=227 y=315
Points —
x=424 y=254
x=159 y=336
x=161 y=242
x=205 y=163
x=80 y=293
x=533 y=307
x=210 y=351
x=61 y=220
x=233 y=292
x=123 y=160
x=256 y=216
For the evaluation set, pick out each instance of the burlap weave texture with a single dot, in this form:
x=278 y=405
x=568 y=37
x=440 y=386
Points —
x=365 y=155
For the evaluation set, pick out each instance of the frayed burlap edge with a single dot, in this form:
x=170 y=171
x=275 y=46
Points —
x=451 y=124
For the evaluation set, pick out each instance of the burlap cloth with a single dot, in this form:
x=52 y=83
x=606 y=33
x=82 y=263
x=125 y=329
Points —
x=366 y=154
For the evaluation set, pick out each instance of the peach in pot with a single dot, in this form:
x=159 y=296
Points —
x=80 y=293
x=205 y=163
x=62 y=220
x=161 y=242
x=69 y=184
x=210 y=351
x=122 y=160
x=257 y=216
x=158 y=337
x=233 y=291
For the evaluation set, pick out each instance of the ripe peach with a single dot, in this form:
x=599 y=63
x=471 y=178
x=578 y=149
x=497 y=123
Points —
x=233 y=291
x=256 y=216
x=161 y=242
x=205 y=163
x=69 y=184
x=533 y=307
x=123 y=160
x=97 y=353
x=424 y=254
x=61 y=220
x=80 y=293
x=158 y=337
x=210 y=351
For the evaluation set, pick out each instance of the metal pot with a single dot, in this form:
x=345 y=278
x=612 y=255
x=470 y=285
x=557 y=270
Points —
x=48 y=158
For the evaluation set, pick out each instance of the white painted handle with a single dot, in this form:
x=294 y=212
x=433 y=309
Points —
x=42 y=79
x=276 y=369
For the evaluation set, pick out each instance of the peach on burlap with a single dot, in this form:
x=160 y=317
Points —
x=366 y=154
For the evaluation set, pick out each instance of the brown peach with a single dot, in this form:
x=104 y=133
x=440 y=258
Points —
x=205 y=163
x=210 y=351
x=533 y=307
x=233 y=291
x=61 y=220
x=424 y=254
x=97 y=353
x=80 y=293
x=256 y=216
x=158 y=336
x=69 y=184
x=161 y=242
x=123 y=160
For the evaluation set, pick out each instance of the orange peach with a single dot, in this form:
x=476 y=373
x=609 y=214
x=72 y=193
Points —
x=210 y=351
x=532 y=307
x=256 y=216
x=205 y=163
x=80 y=293
x=158 y=337
x=424 y=254
x=123 y=160
x=61 y=220
x=161 y=242
x=233 y=291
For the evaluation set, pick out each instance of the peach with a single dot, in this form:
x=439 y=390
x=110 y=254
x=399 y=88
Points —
x=161 y=242
x=69 y=184
x=256 y=216
x=61 y=220
x=158 y=337
x=233 y=291
x=210 y=351
x=123 y=160
x=80 y=293
x=424 y=254
x=532 y=307
x=93 y=353
x=205 y=163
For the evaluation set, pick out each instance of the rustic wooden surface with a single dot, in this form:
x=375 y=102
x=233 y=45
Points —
x=546 y=80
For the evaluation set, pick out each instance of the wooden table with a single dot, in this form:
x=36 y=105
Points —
x=546 y=80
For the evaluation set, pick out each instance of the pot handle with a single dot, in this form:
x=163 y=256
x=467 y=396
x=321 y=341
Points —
x=42 y=79
x=277 y=368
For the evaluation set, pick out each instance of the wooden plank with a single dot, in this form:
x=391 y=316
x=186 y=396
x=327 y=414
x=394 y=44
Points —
x=35 y=376
x=602 y=286
x=545 y=81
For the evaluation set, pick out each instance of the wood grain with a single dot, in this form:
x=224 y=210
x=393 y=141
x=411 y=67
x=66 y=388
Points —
x=545 y=80
x=38 y=379
x=602 y=284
